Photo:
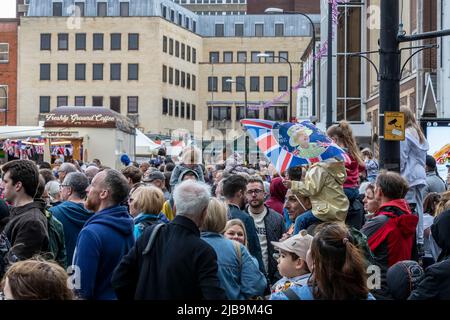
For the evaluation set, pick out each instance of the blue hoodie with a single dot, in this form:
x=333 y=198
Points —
x=105 y=238
x=73 y=216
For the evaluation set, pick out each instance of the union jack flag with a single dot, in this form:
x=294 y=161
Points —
x=292 y=144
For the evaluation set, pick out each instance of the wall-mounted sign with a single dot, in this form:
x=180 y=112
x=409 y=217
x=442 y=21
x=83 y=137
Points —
x=394 y=126
x=60 y=134
x=77 y=120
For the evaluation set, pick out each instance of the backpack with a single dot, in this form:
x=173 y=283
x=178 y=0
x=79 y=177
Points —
x=56 y=244
x=5 y=246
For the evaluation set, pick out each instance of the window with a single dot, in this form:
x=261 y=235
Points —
x=194 y=26
x=282 y=84
x=283 y=54
x=268 y=84
x=212 y=84
x=254 y=84
x=165 y=44
x=279 y=29
x=214 y=57
x=228 y=57
x=97 y=101
x=219 y=113
x=259 y=30
x=194 y=80
x=276 y=113
x=188 y=81
x=101 y=9
x=242 y=56
x=170 y=75
x=133 y=41
x=164 y=74
x=193 y=112
x=44 y=104
x=187 y=23
x=177 y=108
x=3 y=97
x=57 y=9
x=226 y=85
x=171 y=47
x=98 y=41
x=44 y=71
x=182 y=104
x=188 y=110
x=63 y=71
x=80 y=101
x=80 y=71
x=183 y=79
x=63 y=41
x=170 y=107
x=239 y=30
x=133 y=71
x=114 y=104
x=270 y=57
x=219 y=30
x=165 y=106
x=133 y=104
x=164 y=11
x=251 y=114
x=116 y=41
x=240 y=84
x=177 y=49
x=194 y=55
x=97 y=71
x=124 y=9
x=188 y=55
x=61 y=101
x=183 y=51
x=172 y=15
x=115 y=71
x=80 y=41
x=177 y=77
x=79 y=9
x=255 y=57
x=180 y=19
x=46 y=41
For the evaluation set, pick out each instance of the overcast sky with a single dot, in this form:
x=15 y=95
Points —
x=7 y=8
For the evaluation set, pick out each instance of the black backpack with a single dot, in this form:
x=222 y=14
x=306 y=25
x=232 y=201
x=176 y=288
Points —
x=56 y=244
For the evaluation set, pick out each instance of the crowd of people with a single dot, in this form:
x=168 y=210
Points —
x=339 y=229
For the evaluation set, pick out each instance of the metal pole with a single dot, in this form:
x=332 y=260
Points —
x=329 y=120
x=314 y=72
x=389 y=80
x=290 y=96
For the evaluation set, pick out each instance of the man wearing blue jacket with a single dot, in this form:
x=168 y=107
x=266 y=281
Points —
x=106 y=237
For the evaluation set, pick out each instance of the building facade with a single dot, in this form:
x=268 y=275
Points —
x=156 y=62
x=304 y=6
x=443 y=82
x=8 y=71
x=215 y=7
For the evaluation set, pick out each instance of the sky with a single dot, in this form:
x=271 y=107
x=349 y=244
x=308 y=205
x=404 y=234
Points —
x=7 y=8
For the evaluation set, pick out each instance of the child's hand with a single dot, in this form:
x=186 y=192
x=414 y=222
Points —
x=287 y=183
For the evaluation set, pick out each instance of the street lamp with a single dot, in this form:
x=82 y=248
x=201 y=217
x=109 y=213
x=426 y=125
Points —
x=245 y=93
x=313 y=30
x=265 y=55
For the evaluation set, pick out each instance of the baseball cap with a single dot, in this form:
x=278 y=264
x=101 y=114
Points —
x=298 y=244
x=154 y=175
x=403 y=277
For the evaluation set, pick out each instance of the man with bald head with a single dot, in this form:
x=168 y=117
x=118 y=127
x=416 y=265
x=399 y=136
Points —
x=105 y=238
x=90 y=172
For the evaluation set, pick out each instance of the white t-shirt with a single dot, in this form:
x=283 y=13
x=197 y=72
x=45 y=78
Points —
x=261 y=231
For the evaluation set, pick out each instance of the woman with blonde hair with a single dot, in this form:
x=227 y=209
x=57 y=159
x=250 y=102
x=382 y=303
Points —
x=146 y=203
x=36 y=279
x=235 y=230
x=413 y=153
x=238 y=273
x=191 y=160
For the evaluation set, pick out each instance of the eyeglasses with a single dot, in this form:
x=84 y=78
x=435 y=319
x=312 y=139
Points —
x=255 y=191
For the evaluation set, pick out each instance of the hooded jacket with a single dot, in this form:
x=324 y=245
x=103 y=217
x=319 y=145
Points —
x=73 y=216
x=435 y=283
x=323 y=185
x=413 y=154
x=27 y=230
x=106 y=237
x=277 y=195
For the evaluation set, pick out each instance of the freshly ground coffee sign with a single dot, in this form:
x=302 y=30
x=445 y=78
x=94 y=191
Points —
x=79 y=120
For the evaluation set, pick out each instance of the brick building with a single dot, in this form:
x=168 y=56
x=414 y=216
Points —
x=8 y=71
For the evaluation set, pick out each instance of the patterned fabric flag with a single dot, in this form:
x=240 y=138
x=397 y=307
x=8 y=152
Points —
x=292 y=144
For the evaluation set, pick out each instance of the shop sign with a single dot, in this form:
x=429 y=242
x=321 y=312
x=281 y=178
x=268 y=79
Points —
x=60 y=134
x=76 y=120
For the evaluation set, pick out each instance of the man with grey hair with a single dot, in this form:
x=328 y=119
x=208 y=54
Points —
x=91 y=171
x=71 y=212
x=171 y=261
x=64 y=169
x=105 y=238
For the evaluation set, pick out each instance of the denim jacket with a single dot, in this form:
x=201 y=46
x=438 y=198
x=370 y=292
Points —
x=240 y=278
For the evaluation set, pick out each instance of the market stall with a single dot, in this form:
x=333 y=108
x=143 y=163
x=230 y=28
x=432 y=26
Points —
x=21 y=142
x=85 y=133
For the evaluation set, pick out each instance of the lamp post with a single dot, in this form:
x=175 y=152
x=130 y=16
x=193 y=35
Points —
x=313 y=30
x=245 y=93
x=265 y=55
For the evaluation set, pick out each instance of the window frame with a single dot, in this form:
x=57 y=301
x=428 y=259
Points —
x=115 y=41
x=60 y=39
x=80 y=37
x=111 y=71
x=98 y=65
x=47 y=104
x=78 y=65
x=132 y=65
x=43 y=48
x=60 y=71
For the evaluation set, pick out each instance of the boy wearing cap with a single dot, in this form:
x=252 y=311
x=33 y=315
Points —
x=291 y=265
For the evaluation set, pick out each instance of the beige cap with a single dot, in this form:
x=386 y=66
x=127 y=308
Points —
x=298 y=244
